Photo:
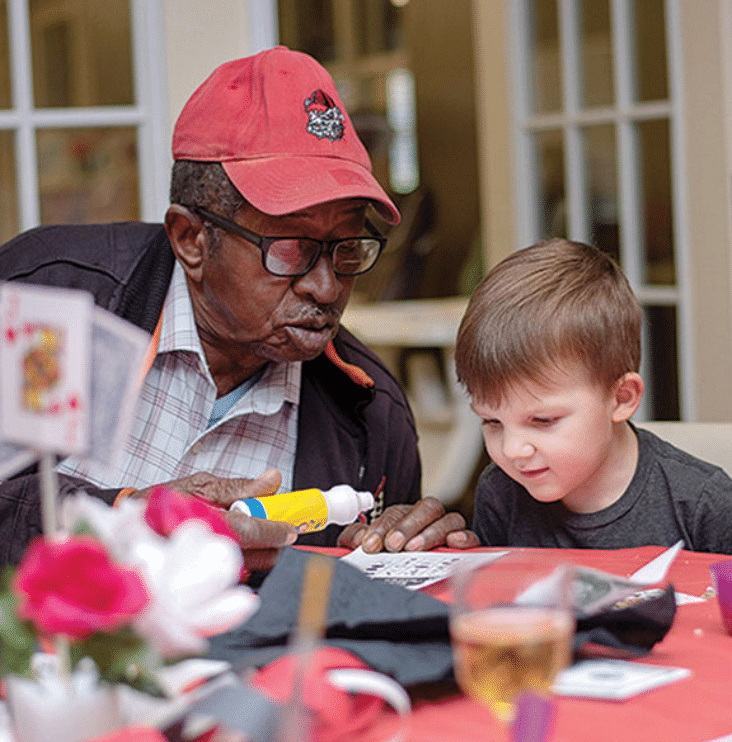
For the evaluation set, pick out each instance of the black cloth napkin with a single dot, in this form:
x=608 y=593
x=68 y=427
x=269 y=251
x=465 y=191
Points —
x=626 y=632
x=405 y=633
x=396 y=631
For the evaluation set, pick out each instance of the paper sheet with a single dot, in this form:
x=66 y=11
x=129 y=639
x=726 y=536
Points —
x=417 y=569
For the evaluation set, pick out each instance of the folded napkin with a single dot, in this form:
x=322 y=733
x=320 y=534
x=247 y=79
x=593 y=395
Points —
x=627 y=632
x=401 y=633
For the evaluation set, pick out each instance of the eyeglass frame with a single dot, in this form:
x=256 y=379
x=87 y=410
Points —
x=263 y=243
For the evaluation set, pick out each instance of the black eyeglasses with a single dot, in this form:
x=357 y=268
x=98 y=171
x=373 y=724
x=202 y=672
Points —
x=295 y=256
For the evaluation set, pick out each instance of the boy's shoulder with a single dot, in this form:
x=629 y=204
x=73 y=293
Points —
x=681 y=467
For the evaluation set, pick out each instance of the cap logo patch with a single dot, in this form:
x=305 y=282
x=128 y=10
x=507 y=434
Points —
x=325 y=120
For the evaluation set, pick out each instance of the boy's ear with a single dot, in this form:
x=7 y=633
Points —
x=188 y=239
x=627 y=395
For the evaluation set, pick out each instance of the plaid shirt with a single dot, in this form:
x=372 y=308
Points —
x=170 y=435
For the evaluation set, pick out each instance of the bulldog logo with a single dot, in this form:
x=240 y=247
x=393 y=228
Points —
x=325 y=119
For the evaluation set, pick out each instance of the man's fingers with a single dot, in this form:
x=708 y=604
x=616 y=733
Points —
x=418 y=521
x=373 y=538
x=462 y=540
x=223 y=492
x=264 y=485
x=257 y=533
x=258 y=560
x=351 y=536
x=435 y=534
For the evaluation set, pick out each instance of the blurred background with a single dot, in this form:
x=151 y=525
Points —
x=493 y=123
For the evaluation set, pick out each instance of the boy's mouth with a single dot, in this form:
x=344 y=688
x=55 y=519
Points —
x=534 y=473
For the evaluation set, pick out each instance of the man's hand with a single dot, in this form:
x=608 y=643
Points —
x=220 y=491
x=417 y=527
x=261 y=540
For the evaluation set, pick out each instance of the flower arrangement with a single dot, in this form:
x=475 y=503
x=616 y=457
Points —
x=131 y=587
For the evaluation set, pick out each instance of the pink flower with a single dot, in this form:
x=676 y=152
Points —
x=74 y=588
x=167 y=509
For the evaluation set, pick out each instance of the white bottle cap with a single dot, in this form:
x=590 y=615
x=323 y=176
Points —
x=345 y=503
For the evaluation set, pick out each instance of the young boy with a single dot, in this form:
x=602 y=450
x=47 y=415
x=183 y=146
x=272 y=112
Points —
x=549 y=350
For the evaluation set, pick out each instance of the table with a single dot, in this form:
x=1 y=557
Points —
x=696 y=709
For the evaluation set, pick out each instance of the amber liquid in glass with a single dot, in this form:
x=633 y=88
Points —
x=500 y=652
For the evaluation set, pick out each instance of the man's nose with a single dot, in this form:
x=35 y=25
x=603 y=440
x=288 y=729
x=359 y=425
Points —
x=320 y=281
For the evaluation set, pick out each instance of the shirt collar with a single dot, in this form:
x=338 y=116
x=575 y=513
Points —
x=178 y=331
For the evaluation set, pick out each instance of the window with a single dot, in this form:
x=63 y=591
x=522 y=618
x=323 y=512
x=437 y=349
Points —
x=595 y=155
x=78 y=129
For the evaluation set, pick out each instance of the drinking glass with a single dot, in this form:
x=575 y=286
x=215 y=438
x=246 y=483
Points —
x=511 y=625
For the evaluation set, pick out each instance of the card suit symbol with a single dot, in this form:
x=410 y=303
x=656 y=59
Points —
x=10 y=335
x=74 y=402
x=54 y=408
x=28 y=328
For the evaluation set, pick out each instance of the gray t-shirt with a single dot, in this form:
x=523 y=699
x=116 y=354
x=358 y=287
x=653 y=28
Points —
x=672 y=496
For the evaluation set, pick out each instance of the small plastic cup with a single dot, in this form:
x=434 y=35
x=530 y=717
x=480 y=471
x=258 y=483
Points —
x=722 y=578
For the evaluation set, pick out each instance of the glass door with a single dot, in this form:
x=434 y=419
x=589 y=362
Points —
x=596 y=154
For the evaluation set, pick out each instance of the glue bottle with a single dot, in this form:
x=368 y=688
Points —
x=309 y=510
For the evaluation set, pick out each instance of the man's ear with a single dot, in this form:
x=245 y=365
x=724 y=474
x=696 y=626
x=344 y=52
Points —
x=188 y=237
x=627 y=394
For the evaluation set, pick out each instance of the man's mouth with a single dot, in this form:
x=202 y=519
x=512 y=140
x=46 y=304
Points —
x=310 y=338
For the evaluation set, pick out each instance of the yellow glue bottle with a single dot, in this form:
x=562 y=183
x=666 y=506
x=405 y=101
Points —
x=309 y=510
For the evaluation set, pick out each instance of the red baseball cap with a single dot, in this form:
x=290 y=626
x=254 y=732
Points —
x=276 y=123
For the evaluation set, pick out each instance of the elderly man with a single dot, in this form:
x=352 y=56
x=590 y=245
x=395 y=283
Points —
x=253 y=387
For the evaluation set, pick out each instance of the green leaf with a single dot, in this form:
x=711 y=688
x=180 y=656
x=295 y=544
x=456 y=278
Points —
x=84 y=528
x=17 y=638
x=122 y=657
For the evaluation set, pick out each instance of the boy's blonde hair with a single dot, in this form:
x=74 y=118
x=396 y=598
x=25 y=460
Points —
x=550 y=304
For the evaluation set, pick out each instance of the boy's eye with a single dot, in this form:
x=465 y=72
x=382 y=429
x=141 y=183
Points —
x=544 y=421
x=493 y=424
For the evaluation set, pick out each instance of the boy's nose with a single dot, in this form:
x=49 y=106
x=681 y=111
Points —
x=516 y=445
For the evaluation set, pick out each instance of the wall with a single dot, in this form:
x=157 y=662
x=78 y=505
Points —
x=199 y=36
x=439 y=38
x=494 y=132
x=704 y=96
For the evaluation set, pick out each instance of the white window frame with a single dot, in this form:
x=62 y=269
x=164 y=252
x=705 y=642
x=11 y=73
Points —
x=148 y=114
x=623 y=114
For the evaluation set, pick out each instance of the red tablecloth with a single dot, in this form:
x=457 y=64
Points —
x=696 y=709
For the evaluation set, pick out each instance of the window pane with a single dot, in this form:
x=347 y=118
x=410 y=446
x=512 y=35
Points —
x=660 y=341
x=601 y=178
x=596 y=51
x=655 y=172
x=546 y=74
x=4 y=57
x=9 y=225
x=88 y=175
x=650 y=50
x=82 y=53
x=307 y=25
x=549 y=154
x=378 y=25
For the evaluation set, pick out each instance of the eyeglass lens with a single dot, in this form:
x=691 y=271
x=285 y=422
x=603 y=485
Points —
x=293 y=256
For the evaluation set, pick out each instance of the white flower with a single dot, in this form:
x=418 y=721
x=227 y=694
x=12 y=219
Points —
x=191 y=577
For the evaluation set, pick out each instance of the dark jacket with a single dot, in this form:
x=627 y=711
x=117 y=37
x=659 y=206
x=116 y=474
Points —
x=347 y=433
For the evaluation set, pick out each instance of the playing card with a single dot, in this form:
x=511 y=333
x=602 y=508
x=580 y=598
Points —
x=613 y=679
x=45 y=352
x=118 y=349
x=13 y=458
